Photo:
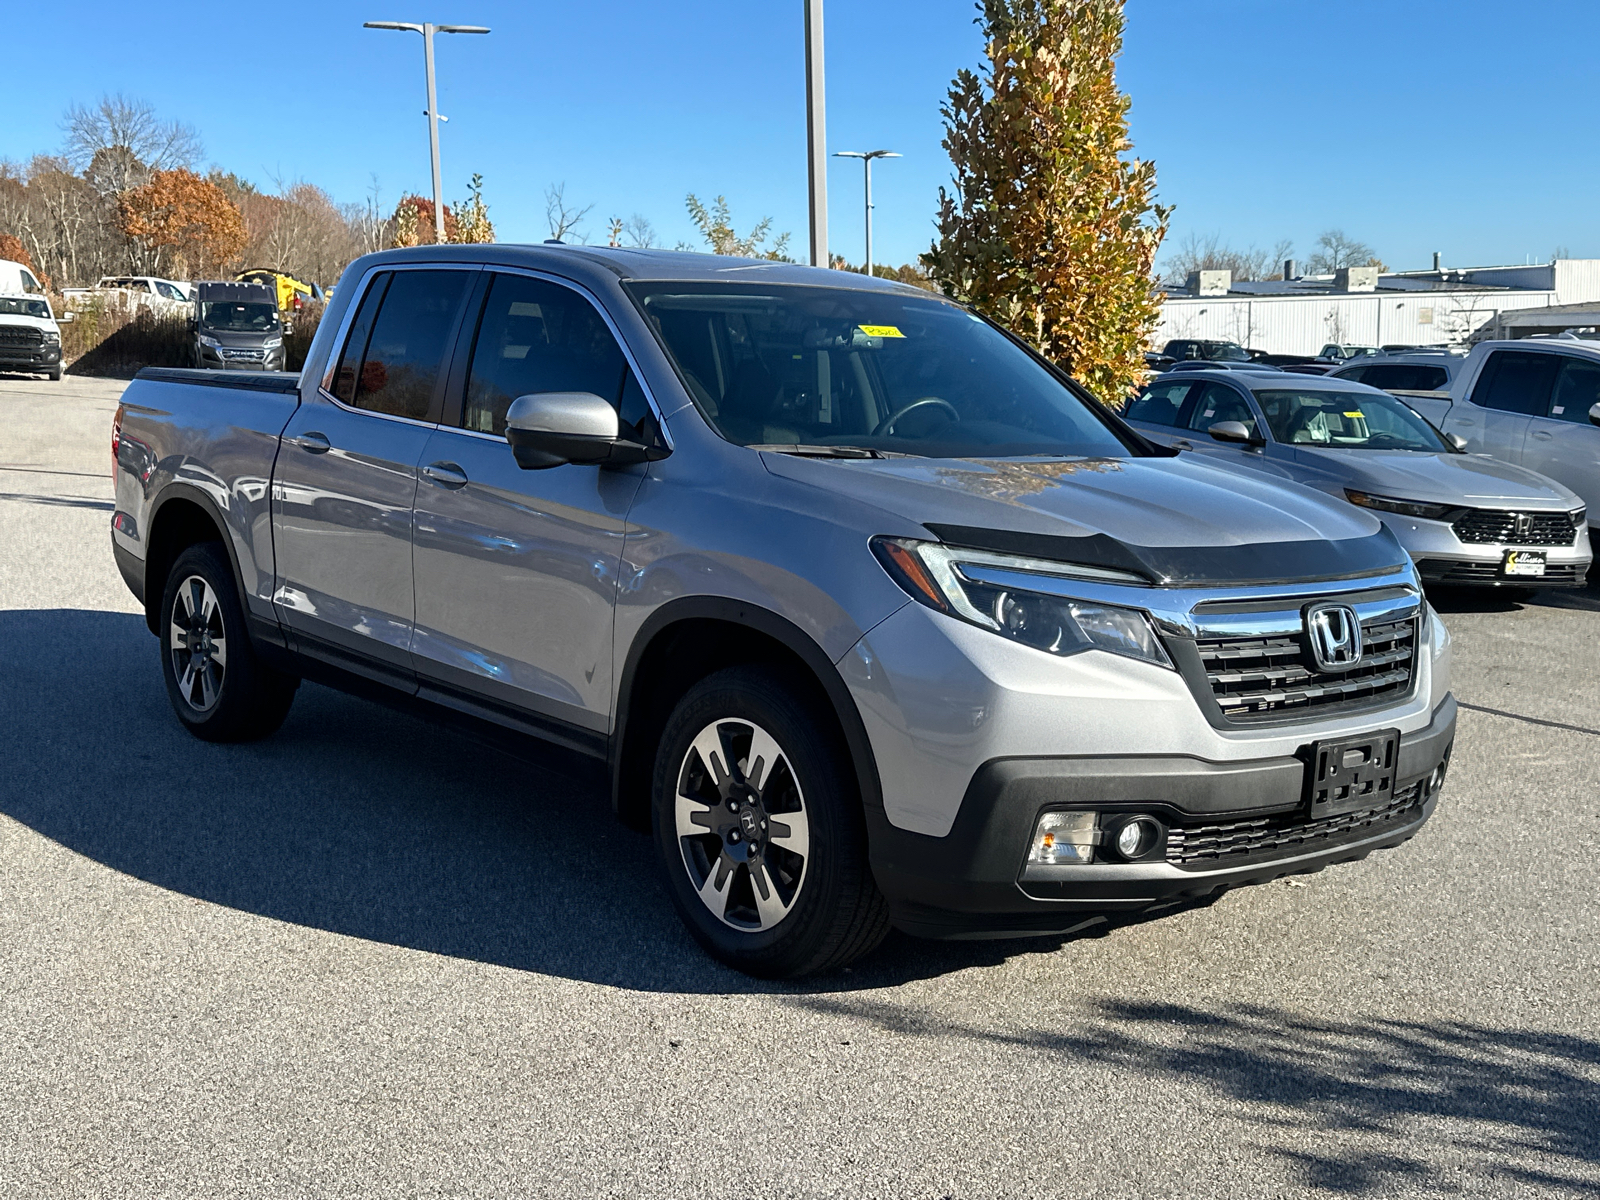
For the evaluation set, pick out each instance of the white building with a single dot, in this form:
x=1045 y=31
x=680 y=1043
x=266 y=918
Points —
x=1444 y=306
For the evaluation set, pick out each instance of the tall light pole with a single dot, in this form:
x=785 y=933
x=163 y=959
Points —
x=866 y=158
x=816 y=135
x=432 y=113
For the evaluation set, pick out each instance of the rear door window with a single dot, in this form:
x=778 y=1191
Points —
x=415 y=319
x=1577 y=390
x=1401 y=377
x=1162 y=403
x=1517 y=381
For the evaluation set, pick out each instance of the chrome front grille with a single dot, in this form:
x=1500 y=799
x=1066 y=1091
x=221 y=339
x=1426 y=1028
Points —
x=1486 y=527
x=1253 y=662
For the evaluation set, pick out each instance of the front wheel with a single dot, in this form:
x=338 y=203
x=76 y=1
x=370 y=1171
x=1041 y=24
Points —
x=218 y=687
x=759 y=826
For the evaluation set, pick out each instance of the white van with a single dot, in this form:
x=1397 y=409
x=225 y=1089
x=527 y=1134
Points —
x=17 y=280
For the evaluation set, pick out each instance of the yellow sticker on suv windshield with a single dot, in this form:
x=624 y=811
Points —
x=1357 y=416
x=880 y=331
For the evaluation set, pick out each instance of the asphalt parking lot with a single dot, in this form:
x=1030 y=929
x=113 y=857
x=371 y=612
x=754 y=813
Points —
x=366 y=957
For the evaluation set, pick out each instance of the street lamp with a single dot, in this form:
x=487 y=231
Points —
x=866 y=161
x=432 y=111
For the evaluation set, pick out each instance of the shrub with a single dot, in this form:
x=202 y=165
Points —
x=112 y=334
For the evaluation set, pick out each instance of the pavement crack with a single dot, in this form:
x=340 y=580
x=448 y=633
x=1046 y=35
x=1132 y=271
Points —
x=1500 y=712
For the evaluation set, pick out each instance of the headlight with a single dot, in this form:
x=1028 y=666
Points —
x=932 y=574
x=52 y=337
x=1579 y=516
x=1406 y=508
x=210 y=341
x=272 y=343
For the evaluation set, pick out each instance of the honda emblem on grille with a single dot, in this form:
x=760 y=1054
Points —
x=1334 y=632
x=1524 y=525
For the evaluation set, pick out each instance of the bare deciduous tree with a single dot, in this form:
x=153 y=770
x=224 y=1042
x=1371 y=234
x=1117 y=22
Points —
x=563 y=218
x=119 y=141
x=1336 y=251
x=1211 y=253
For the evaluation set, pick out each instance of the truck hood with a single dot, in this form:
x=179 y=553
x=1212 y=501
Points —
x=17 y=320
x=1172 y=520
x=1469 y=479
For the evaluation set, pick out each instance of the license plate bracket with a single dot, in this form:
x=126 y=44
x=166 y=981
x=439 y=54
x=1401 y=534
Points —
x=1352 y=773
x=1524 y=564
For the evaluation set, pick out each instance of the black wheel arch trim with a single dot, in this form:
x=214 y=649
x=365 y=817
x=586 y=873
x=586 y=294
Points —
x=781 y=630
x=153 y=588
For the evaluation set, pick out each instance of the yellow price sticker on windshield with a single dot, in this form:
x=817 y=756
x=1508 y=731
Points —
x=880 y=331
x=1357 y=416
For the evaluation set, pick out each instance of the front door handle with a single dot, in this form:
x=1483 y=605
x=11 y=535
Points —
x=1181 y=444
x=446 y=474
x=1543 y=436
x=313 y=442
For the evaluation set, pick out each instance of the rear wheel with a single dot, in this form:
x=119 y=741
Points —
x=758 y=822
x=218 y=687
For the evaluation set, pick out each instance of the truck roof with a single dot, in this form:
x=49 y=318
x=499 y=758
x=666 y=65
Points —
x=628 y=263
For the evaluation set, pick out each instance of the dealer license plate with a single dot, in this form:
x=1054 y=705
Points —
x=1528 y=563
x=1352 y=773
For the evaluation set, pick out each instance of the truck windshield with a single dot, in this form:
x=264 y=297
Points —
x=801 y=366
x=236 y=316
x=16 y=306
x=1347 y=420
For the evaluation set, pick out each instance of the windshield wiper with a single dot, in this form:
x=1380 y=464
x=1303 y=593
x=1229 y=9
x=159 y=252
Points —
x=809 y=451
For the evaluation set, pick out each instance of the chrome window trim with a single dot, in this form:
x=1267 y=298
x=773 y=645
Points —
x=616 y=333
x=349 y=319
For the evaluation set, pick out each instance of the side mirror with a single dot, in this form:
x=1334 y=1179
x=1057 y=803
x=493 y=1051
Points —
x=1460 y=443
x=1235 y=431
x=194 y=324
x=69 y=315
x=548 y=429
x=1594 y=415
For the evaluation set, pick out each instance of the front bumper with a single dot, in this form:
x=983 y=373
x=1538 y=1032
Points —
x=271 y=360
x=1443 y=558
x=974 y=882
x=42 y=359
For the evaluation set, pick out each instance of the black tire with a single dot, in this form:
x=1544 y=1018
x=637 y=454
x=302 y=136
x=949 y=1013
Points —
x=55 y=374
x=783 y=913
x=237 y=699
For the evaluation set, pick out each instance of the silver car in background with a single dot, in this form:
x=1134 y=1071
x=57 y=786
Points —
x=1464 y=518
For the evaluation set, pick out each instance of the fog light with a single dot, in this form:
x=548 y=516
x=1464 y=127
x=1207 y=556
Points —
x=1063 y=837
x=1134 y=837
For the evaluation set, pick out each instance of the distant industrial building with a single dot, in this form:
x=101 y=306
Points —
x=1445 y=306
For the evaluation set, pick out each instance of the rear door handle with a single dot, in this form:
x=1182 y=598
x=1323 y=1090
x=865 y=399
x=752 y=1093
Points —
x=313 y=442
x=1543 y=436
x=446 y=474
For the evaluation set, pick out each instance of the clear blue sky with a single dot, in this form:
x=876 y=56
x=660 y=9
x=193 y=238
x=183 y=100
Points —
x=1465 y=127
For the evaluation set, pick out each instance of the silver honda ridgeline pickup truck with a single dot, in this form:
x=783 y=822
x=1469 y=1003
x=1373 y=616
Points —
x=876 y=618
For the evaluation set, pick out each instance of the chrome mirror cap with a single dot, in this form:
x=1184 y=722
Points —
x=570 y=414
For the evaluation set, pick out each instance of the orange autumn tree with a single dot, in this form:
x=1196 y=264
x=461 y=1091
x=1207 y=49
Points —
x=182 y=219
x=1051 y=230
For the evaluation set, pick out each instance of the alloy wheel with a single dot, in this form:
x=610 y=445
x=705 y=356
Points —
x=742 y=825
x=199 y=644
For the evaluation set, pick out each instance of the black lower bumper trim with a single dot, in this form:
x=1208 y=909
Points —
x=968 y=883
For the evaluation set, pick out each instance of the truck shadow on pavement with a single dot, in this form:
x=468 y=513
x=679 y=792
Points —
x=1391 y=1105
x=1449 y=600
x=360 y=821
